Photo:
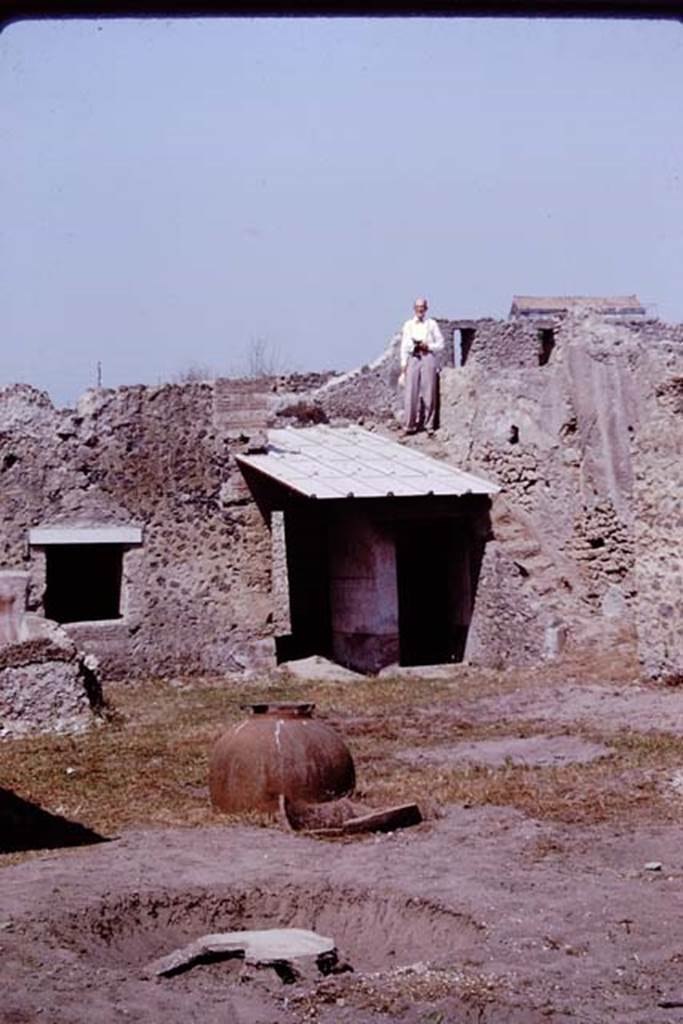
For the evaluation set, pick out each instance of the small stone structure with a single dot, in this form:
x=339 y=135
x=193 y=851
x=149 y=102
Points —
x=619 y=305
x=576 y=416
x=378 y=547
x=46 y=683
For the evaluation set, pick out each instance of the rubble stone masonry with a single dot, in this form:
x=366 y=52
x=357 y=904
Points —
x=580 y=427
x=196 y=593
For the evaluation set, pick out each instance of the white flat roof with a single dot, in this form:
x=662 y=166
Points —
x=43 y=535
x=344 y=462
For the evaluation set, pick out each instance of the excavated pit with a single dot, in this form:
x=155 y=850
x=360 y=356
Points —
x=372 y=932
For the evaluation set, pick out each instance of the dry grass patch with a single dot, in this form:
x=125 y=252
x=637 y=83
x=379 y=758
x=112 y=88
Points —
x=573 y=794
x=147 y=764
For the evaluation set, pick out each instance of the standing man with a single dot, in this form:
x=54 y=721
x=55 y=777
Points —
x=420 y=339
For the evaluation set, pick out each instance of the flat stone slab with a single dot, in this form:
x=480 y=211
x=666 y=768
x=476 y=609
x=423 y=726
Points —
x=534 y=751
x=421 y=671
x=271 y=945
x=320 y=668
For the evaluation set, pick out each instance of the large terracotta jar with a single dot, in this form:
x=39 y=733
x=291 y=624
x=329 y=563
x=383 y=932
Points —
x=279 y=750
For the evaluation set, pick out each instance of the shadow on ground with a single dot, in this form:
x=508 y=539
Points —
x=26 y=826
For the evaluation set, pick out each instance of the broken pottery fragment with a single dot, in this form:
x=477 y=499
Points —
x=280 y=750
x=346 y=817
x=269 y=946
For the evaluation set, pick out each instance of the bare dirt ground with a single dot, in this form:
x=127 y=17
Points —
x=544 y=884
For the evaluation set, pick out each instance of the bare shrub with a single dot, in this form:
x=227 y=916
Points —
x=193 y=373
x=264 y=359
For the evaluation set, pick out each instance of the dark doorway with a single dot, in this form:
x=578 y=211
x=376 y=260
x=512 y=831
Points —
x=425 y=608
x=547 y=344
x=309 y=586
x=83 y=582
x=466 y=342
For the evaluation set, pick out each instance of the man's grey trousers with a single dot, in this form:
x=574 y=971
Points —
x=421 y=383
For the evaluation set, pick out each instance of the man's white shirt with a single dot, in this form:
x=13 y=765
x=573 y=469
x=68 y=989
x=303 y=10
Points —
x=426 y=331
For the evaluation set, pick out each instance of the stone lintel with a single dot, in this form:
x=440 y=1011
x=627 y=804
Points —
x=460 y=325
x=41 y=536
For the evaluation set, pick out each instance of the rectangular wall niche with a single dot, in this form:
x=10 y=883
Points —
x=83 y=582
x=84 y=571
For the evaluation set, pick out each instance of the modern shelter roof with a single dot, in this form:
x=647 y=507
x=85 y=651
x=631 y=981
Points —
x=344 y=462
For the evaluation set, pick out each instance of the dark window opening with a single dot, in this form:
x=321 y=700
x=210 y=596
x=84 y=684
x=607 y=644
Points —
x=83 y=582
x=547 y=344
x=597 y=542
x=466 y=342
x=513 y=436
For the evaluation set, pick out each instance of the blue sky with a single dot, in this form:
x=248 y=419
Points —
x=173 y=191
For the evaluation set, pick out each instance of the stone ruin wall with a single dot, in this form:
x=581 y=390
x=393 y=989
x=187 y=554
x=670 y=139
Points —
x=370 y=394
x=196 y=592
x=589 y=526
x=586 y=534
